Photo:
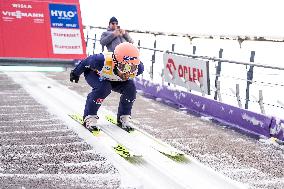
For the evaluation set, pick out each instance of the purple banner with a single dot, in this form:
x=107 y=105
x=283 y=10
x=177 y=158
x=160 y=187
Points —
x=245 y=120
x=277 y=128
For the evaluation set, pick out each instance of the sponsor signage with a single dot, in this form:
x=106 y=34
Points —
x=190 y=73
x=63 y=16
x=41 y=29
x=65 y=32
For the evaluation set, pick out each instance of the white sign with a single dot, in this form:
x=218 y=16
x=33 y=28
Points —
x=66 y=41
x=187 y=72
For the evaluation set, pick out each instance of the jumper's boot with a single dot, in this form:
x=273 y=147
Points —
x=124 y=123
x=90 y=122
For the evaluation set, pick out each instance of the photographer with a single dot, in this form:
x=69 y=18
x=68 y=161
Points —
x=114 y=35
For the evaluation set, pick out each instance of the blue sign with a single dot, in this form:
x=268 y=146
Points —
x=63 y=16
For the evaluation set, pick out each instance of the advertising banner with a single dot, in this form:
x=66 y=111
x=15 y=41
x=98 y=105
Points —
x=41 y=29
x=65 y=31
x=23 y=29
x=193 y=74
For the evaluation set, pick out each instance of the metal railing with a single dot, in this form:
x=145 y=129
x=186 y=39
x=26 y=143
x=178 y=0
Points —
x=241 y=95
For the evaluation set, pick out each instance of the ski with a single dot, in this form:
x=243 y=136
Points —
x=80 y=120
x=120 y=149
x=150 y=140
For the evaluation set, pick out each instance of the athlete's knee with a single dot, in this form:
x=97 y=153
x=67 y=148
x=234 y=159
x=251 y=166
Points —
x=128 y=98
x=102 y=91
x=130 y=90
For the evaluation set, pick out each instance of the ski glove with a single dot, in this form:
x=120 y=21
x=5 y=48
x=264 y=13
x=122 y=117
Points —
x=74 y=77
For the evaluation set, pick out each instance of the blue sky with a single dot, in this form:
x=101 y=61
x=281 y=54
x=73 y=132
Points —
x=241 y=17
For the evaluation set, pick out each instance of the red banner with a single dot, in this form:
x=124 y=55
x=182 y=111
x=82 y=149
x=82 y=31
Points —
x=37 y=29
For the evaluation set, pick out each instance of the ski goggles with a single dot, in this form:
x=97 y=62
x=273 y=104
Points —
x=124 y=68
x=126 y=65
x=127 y=58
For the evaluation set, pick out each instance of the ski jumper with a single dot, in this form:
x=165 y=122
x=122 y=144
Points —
x=101 y=74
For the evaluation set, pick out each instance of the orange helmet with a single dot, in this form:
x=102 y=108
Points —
x=127 y=53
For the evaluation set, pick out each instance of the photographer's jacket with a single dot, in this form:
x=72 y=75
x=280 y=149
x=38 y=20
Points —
x=109 y=40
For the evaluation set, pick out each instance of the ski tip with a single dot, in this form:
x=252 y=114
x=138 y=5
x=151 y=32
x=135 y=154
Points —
x=177 y=157
x=172 y=154
x=124 y=152
x=96 y=132
x=169 y=152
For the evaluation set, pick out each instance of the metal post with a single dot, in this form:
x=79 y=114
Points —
x=193 y=49
x=261 y=102
x=193 y=52
x=87 y=38
x=162 y=76
x=173 y=50
x=202 y=86
x=173 y=47
x=218 y=91
x=153 y=59
x=218 y=71
x=139 y=44
x=249 y=78
x=95 y=40
x=238 y=95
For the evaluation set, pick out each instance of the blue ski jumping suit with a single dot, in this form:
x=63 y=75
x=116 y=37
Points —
x=102 y=87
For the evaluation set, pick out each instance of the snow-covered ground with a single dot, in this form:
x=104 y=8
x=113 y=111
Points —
x=38 y=150
x=154 y=170
x=244 y=159
x=257 y=164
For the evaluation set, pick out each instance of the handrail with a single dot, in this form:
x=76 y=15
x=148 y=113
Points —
x=239 y=38
x=228 y=37
x=218 y=59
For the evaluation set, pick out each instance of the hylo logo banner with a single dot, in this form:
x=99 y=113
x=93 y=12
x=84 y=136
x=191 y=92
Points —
x=65 y=32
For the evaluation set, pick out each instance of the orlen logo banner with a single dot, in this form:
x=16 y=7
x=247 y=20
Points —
x=65 y=32
x=187 y=72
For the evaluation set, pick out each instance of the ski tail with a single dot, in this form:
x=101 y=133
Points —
x=77 y=117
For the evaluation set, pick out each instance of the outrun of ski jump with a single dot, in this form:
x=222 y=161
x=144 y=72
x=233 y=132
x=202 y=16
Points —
x=144 y=94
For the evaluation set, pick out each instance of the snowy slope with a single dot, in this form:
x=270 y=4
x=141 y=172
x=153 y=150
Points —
x=155 y=170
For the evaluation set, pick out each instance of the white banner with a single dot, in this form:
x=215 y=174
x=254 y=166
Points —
x=187 y=72
x=66 y=41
